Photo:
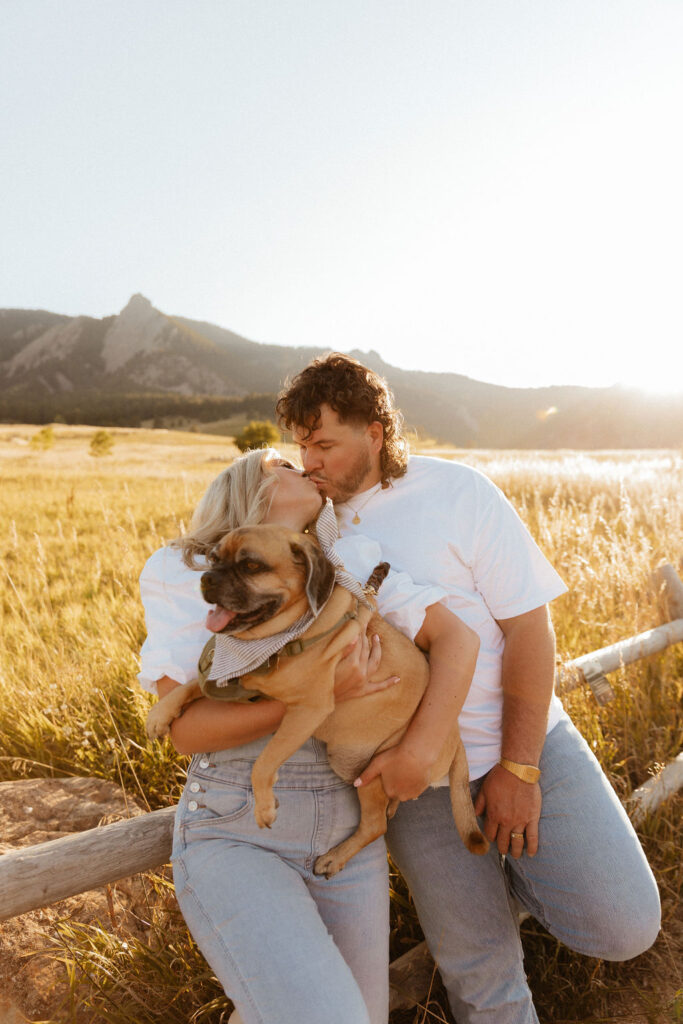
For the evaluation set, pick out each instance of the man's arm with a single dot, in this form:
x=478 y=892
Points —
x=510 y=804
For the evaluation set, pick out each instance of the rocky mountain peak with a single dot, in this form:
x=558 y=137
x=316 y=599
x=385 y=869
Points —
x=138 y=309
x=137 y=303
x=137 y=328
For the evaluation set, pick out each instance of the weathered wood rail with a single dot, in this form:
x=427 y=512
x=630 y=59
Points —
x=593 y=668
x=36 y=876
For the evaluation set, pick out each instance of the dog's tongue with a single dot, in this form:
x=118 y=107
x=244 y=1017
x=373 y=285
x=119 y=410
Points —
x=218 y=618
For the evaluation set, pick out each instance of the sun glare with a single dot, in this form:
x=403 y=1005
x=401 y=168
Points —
x=669 y=383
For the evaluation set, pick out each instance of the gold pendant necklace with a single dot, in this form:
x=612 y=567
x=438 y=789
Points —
x=356 y=517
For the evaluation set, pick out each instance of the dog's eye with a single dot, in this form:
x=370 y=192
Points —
x=252 y=566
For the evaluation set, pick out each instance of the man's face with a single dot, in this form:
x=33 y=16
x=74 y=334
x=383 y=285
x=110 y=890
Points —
x=341 y=459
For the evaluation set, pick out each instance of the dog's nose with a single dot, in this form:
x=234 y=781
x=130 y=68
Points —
x=207 y=580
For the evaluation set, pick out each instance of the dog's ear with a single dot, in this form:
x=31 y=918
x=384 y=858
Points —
x=319 y=574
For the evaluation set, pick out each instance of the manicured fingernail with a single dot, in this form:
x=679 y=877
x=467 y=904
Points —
x=357 y=783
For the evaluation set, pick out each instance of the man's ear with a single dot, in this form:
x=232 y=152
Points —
x=319 y=574
x=376 y=435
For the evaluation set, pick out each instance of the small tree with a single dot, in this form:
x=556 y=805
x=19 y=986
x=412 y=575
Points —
x=258 y=434
x=43 y=439
x=102 y=443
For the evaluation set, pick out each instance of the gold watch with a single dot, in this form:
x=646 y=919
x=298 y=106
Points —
x=525 y=772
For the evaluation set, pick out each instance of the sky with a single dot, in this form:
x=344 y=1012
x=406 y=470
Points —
x=488 y=187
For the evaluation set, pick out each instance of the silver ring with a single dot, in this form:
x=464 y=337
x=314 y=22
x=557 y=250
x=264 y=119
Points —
x=516 y=835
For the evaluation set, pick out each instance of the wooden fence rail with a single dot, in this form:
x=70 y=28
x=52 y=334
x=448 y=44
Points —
x=36 y=876
x=592 y=668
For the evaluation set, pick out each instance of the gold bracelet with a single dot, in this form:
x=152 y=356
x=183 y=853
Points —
x=525 y=772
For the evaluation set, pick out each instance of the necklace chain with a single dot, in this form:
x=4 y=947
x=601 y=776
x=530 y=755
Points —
x=356 y=517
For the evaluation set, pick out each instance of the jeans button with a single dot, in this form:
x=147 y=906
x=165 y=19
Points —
x=194 y=787
x=204 y=763
x=192 y=805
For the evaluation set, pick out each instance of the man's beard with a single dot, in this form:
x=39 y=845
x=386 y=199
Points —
x=346 y=486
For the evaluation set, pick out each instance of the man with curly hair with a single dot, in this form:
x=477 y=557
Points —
x=562 y=845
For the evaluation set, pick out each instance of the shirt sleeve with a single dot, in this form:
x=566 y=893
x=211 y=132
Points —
x=510 y=571
x=175 y=615
x=402 y=602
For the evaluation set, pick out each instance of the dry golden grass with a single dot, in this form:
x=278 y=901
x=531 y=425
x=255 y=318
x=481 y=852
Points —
x=75 y=532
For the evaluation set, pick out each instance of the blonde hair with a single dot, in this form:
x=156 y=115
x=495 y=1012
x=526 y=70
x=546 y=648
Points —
x=239 y=496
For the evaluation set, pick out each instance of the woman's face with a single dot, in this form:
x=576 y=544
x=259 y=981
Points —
x=296 y=499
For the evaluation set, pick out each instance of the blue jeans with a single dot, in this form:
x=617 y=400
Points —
x=589 y=885
x=287 y=946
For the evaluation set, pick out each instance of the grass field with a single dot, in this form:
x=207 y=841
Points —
x=75 y=532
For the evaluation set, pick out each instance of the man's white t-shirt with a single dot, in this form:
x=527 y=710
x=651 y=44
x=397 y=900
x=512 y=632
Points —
x=445 y=523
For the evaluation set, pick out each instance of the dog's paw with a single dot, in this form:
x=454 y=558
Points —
x=157 y=725
x=328 y=864
x=266 y=814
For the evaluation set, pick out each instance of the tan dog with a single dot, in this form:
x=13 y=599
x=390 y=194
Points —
x=262 y=580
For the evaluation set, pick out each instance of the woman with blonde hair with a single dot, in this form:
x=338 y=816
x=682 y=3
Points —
x=239 y=496
x=288 y=946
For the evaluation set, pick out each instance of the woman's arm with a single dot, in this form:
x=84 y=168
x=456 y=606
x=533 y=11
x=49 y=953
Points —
x=219 y=725
x=453 y=648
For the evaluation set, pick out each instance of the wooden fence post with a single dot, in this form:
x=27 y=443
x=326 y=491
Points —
x=670 y=591
x=655 y=791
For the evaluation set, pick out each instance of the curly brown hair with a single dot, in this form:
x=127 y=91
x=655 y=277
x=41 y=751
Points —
x=357 y=394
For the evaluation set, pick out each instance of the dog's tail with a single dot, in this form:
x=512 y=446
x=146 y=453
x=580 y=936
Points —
x=462 y=806
x=378 y=576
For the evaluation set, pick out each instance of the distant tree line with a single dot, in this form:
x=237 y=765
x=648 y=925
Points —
x=490 y=418
x=108 y=409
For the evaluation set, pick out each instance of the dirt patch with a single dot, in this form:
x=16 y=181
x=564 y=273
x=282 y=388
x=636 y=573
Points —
x=33 y=985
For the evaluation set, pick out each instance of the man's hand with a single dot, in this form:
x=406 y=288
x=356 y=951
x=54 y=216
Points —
x=405 y=774
x=513 y=807
x=512 y=811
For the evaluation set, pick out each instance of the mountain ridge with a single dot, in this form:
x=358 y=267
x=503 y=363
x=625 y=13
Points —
x=52 y=364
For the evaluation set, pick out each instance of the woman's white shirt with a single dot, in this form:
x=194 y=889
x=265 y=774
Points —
x=175 y=611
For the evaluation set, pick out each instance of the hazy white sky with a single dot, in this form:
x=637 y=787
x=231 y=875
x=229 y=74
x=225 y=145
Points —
x=492 y=187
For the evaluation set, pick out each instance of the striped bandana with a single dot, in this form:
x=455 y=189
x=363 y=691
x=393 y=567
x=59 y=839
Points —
x=234 y=657
x=327 y=532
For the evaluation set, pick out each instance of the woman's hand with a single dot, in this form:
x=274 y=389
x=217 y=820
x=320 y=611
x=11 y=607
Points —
x=360 y=661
